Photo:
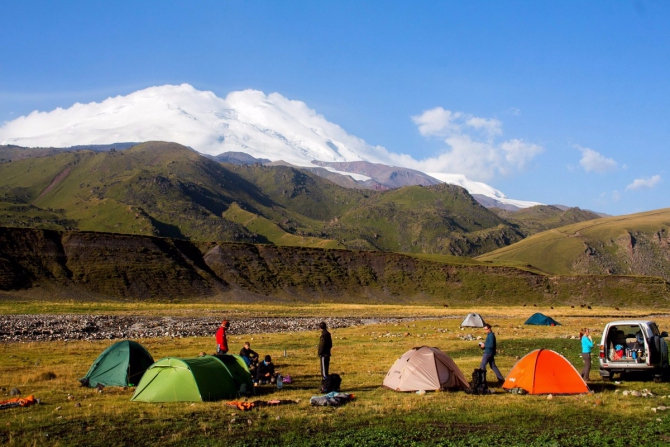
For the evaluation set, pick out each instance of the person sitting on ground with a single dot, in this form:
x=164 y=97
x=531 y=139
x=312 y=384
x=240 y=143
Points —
x=265 y=371
x=249 y=356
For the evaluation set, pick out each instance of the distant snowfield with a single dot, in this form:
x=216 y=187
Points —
x=480 y=188
x=353 y=175
x=248 y=121
x=264 y=126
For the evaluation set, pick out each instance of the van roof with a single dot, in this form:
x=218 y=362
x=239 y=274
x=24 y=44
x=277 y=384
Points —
x=624 y=322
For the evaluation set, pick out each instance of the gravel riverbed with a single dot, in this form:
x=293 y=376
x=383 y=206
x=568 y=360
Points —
x=15 y=328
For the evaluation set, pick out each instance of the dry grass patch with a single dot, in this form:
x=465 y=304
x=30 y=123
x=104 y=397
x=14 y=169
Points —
x=362 y=355
x=42 y=377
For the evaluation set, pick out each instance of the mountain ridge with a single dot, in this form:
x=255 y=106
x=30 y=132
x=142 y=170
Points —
x=264 y=126
x=166 y=189
x=86 y=266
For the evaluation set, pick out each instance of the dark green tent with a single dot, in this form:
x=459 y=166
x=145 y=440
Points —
x=206 y=378
x=542 y=320
x=121 y=364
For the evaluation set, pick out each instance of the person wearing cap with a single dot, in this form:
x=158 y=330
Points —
x=325 y=345
x=222 y=338
x=265 y=371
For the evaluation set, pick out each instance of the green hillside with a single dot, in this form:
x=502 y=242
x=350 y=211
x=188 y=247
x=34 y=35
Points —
x=540 y=218
x=272 y=232
x=636 y=244
x=433 y=219
x=45 y=264
x=165 y=189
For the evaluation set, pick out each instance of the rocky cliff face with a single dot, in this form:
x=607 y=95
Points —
x=111 y=266
x=632 y=253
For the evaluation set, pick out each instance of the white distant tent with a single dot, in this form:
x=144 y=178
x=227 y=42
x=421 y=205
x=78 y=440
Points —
x=473 y=320
x=425 y=369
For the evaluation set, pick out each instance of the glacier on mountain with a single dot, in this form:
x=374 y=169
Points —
x=264 y=126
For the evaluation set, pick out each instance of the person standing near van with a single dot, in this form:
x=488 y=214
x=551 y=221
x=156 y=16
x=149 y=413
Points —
x=587 y=346
x=325 y=345
x=489 y=347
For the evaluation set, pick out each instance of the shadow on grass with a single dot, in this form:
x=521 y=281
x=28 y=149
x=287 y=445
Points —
x=361 y=388
x=601 y=387
x=265 y=390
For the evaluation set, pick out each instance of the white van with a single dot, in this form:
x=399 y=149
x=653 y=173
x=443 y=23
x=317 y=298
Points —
x=630 y=346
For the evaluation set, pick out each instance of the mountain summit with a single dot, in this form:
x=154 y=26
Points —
x=263 y=126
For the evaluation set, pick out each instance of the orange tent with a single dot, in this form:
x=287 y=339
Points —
x=545 y=372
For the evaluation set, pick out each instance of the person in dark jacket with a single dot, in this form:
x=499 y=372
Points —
x=249 y=356
x=489 y=347
x=265 y=371
x=325 y=345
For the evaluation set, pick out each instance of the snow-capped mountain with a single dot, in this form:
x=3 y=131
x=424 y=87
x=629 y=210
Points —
x=479 y=188
x=264 y=126
x=245 y=121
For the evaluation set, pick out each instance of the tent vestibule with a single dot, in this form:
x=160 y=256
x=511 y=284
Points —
x=121 y=364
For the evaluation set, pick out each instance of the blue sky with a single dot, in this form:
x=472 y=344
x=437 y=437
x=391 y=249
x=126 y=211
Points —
x=585 y=83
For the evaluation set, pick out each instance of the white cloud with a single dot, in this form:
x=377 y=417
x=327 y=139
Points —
x=641 y=183
x=593 y=161
x=518 y=153
x=490 y=126
x=471 y=145
x=437 y=122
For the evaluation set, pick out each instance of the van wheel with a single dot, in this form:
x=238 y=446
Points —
x=658 y=379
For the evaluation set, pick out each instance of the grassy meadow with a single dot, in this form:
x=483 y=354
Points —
x=73 y=415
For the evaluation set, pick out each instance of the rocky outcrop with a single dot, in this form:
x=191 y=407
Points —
x=631 y=253
x=85 y=265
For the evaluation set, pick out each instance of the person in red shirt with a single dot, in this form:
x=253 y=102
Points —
x=221 y=338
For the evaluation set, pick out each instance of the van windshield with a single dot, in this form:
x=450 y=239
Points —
x=654 y=329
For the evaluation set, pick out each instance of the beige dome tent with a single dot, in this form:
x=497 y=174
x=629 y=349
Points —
x=473 y=320
x=426 y=369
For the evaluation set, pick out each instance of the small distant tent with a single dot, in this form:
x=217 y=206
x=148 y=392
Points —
x=121 y=364
x=542 y=320
x=207 y=378
x=544 y=371
x=473 y=320
x=426 y=369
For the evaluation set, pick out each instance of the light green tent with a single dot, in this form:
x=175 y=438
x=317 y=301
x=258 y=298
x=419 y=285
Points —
x=121 y=364
x=196 y=379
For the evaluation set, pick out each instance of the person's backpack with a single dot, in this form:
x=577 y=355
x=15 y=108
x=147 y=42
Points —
x=331 y=383
x=478 y=385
